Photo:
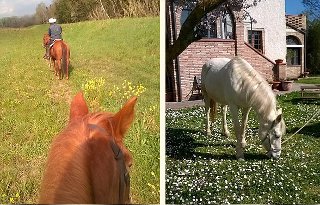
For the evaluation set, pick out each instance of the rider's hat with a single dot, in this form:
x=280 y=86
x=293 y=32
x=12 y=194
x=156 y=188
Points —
x=52 y=20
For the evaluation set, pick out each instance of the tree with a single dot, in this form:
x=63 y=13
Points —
x=313 y=35
x=63 y=11
x=312 y=8
x=313 y=46
x=188 y=33
x=41 y=13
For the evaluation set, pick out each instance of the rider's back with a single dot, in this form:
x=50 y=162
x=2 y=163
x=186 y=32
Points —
x=55 y=31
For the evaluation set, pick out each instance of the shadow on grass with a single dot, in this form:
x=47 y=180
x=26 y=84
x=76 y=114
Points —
x=181 y=145
x=310 y=130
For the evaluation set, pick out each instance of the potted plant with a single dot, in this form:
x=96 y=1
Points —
x=275 y=85
x=279 y=61
x=286 y=85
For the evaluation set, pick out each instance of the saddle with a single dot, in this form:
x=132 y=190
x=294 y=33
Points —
x=54 y=42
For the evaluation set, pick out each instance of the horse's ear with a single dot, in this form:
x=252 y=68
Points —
x=278 y=119
x=123 y=119
x=78 y=107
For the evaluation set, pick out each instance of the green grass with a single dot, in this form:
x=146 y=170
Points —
x=201 y=169
x=34 y=105
x=310 y=80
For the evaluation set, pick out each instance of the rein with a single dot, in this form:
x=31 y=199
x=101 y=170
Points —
x=301 y=127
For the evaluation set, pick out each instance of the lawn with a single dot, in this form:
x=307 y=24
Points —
x=110 y=60
x=309 y=80
x=201 y=169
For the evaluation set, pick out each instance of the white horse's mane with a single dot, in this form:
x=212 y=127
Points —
x=258 y=92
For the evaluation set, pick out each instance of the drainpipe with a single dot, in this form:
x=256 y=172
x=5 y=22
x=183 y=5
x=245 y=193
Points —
x=174 y=35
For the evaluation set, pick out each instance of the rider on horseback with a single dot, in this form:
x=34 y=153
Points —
x=55 y=33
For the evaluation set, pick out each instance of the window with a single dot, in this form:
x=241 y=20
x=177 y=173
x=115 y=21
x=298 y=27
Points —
x=207 y=27
x=255 y=40
x=293 y=51
x=293 y=56
x=292 y=41
x=213 y=27
x=210 y=26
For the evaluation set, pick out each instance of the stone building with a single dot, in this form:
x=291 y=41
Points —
x=296 y=45
x=259 y=39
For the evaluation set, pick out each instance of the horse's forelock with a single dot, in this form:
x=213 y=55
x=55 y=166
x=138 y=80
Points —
x=104 y=121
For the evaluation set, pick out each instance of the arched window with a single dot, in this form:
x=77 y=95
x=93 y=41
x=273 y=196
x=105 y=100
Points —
x=291 y=40
x=293 y=50
x=211 y=25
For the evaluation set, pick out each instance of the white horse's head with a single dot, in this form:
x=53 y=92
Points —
x=271 y=134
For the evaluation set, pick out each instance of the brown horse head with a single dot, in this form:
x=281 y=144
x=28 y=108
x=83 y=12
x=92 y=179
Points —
x=46 y=40
x=88 y=161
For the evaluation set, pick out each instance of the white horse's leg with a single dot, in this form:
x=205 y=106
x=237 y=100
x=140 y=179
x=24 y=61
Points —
x=207 y=110
x=224 y=121
x=237 y=128
x=245 y=114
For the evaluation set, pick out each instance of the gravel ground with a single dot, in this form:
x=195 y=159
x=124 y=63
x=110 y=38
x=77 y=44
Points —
x=185 y=104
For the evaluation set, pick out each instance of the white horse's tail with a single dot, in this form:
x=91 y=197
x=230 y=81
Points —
x=212 y=103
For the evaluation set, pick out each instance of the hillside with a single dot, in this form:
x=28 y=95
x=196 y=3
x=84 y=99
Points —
x=34 y=105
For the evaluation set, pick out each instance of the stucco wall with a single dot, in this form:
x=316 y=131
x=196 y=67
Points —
x=270 y=17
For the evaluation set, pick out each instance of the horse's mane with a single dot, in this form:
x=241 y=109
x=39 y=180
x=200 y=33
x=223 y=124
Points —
x=258 y=92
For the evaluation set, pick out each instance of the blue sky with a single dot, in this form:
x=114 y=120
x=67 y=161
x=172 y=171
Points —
x=294 y=7
x=28 y=7
x=19 y=7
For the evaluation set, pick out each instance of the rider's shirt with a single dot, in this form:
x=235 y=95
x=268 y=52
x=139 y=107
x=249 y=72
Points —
x=55 y=31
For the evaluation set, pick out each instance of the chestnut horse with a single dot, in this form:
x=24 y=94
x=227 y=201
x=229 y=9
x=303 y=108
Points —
x=88 y=161
x=59 y=55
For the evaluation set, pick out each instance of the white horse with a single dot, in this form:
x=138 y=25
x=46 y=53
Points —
x=235 y=83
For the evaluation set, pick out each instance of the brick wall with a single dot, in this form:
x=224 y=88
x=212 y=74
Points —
x=258 y=61
x=198 y=53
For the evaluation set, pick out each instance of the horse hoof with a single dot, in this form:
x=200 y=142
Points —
x=241 y=159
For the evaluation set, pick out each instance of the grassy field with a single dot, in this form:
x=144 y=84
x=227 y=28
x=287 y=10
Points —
x=110 y=60
x=201 y=169
x=310 y=80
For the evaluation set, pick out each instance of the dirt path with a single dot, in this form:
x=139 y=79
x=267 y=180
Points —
x=186 y=104
x=60 y=91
